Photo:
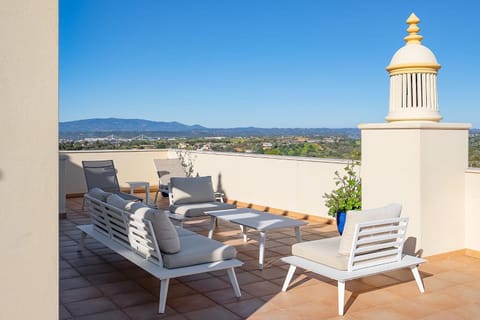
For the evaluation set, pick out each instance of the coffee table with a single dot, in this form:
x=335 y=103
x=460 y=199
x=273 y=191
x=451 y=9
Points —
x=253 y=219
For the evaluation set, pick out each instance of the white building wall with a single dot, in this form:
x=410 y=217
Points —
x=29 y=159
x=472 y=209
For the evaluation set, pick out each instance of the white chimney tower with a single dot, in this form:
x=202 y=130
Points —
x=413 y=80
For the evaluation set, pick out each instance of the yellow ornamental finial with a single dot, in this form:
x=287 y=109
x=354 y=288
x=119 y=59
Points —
x=413 y=37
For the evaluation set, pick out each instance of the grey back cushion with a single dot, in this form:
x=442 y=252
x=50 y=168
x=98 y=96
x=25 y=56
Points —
x=192 y=190
x=116 y=201
x=165 y=232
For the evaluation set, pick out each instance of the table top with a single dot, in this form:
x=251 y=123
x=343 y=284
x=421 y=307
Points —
x=255 y=219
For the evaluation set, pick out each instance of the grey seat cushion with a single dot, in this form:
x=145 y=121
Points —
x=197 y=249
x=198 y=209
x=324 y=251
x=183 y=232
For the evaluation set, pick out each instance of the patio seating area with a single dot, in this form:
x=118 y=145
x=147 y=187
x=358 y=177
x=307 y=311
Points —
x=100 y=284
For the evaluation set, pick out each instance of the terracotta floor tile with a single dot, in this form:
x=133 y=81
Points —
x=456 y=276
x=150 y=311
x=99 y=284
x=270 y=273
x=209 y=284
x=244 y=308
x=129 y=299
x=463 y=294
x=226 y=295
x=413 y=309
x=72 y=283
x=66 y=273
x=63 y=313
x=78 y=294
x=114 y=288
x=90 y=306
x=439 y=300
x=190 y=303
x=379 y=313
x=85 y=261
x=179 y=290
x=109 y=315
x=258 y=289
x=103 y=278
x=95 y=269
x=216 y=312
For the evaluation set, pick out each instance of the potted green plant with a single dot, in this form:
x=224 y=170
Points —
x=347 y=195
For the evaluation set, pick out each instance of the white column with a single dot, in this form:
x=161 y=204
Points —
x=421 y=166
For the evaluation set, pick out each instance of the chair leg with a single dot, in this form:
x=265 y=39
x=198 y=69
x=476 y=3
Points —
x=289 y=276
x=163 y=295
x=233 y=280
x=341 y=297
x=156 y=196
x=418 y=279
x=81 y=243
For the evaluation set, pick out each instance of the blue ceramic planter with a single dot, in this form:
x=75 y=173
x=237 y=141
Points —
x=341 y=217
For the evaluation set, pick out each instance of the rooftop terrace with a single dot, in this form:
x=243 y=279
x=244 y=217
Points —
x=100 y=284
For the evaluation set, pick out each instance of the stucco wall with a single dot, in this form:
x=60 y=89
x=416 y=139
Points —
x=131 y=165
x=290 y=183
x=472 y=209
x=29 y=159
x=420 y=165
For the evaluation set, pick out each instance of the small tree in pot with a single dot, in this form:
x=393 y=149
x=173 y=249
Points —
x=347 y=196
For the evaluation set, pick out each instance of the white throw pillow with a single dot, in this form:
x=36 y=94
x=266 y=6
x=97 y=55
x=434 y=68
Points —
x=354 y=217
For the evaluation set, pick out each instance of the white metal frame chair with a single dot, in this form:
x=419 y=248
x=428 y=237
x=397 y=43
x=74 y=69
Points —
x=377 y=247
x=166 y=168
x=102 y=174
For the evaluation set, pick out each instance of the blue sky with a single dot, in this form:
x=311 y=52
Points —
x=263 y=63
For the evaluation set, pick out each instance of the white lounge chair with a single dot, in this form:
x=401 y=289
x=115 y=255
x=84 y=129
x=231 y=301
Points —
x=192 y=197
x=167 y=168
x=369 y=245
x=102 y=174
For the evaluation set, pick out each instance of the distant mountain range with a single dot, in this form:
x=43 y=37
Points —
x=133 y=127
x=119 y=125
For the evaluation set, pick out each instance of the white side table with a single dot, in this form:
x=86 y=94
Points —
x=134 y=184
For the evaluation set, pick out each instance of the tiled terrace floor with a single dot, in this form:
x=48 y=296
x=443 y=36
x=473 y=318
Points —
x=100 y=284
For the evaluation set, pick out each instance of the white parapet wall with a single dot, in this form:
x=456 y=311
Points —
x=131 y=165
x=289 y=183
x=472 y=209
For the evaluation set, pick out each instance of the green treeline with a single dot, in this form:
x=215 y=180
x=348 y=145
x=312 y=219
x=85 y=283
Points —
x=337 y=147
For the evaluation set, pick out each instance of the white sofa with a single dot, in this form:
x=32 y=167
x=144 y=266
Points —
x=148 y=239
